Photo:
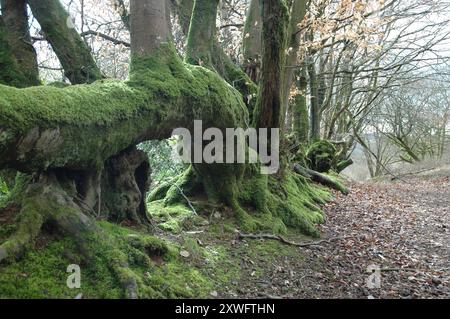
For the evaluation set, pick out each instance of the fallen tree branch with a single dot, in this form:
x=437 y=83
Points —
x=320 y=178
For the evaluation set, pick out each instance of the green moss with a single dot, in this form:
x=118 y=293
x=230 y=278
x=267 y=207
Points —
x=42 y=274
x=162 y=93
x=170 y=218
x=321 y=156
x=11 y=72
x=300 y=111
x=167 y=275
x=296 y=202
x=202 y=33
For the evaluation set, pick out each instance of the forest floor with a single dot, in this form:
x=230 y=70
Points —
x=400 y=228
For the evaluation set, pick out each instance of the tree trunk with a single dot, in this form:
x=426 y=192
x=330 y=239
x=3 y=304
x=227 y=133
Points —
x=71 y=50
x=300 y=111
x=202 y=33
x=268 y=106
x=15 y=18
x=314 y=98
x=320 y=178
x=149 y=27
x=221 y=62
x=252 y=41
x=298 y=12
x=11 y=72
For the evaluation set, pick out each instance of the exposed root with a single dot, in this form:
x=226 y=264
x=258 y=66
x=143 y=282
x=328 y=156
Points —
x=29 y=227
x=185 y=185
x=46 y=201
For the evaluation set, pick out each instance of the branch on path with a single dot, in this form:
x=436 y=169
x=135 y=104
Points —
x=285 y=241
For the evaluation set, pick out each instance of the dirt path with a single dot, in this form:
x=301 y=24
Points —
x=401 y=228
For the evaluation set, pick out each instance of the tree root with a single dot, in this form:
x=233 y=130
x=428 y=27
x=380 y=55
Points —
x=46 y=201
x=285 y=241
x=28 y=229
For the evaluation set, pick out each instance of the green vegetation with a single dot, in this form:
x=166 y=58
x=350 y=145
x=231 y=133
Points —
x=41 y=273
x=321 y=156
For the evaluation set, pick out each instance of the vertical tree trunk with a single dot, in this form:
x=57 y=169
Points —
x=300 y=111
x=298 y=12
x=252 y=41
x=149 y=26
x=15 y=19
x=268 y=106
x=202 y=33
x=183 y=9
x=314 y=101
x=71 y=50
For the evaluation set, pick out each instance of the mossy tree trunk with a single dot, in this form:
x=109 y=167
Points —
x=298 y=11
x=71 y=50
x=220 y=61
x=300 y=110
x=268 y=106
x=78 y=143
x=202 y=33
x=252 y=41
x=73 y=133
x=15 y=18
x=314 y=115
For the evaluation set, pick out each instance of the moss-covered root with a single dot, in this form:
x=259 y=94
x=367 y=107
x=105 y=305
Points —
x=183 y=186
x=321 y=179
x=46 y=201
x=29 y=226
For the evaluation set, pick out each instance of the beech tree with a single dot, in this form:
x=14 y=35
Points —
x=75 y=145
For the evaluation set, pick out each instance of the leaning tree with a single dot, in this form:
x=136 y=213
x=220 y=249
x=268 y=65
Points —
x=75 y=146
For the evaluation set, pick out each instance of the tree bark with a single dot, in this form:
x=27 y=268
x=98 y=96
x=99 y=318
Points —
x=300 y=110
x=221 y=62
x=314 y=101
x=252 y=45
x=149 y=26
x=320 y=178
x=298 y=11
x=15 y=18
x=71 y=50
x=268 y=106
x=202 y=33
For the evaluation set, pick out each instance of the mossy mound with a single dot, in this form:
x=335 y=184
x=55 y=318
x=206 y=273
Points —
x=262 y=203
x=174 y=218
x=321 y=156
x=161 y=271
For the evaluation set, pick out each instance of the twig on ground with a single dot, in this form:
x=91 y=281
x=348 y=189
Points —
x=186 y=198
x=285 y=241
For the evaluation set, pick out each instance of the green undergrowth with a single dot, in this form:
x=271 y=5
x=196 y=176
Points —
x=196 y=256
x=269 y=204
